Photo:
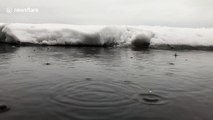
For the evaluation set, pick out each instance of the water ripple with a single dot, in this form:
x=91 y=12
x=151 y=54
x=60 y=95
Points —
x=110 y=98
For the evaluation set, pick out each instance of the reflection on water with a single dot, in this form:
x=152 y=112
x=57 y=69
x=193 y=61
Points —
x=105 y=84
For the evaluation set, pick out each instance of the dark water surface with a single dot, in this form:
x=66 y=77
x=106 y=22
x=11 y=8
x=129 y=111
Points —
x=61 y=83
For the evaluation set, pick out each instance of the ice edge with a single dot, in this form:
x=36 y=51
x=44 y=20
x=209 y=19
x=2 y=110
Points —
x=141 y=37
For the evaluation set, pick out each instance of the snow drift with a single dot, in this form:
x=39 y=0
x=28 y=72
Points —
x=121 y=36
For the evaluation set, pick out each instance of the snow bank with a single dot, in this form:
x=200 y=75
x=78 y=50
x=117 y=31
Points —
x=196 y=38
x=134 y=36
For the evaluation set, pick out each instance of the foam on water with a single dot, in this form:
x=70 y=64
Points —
x=88 y=35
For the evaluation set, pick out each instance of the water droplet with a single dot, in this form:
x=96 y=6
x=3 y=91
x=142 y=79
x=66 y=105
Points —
x=152 y=99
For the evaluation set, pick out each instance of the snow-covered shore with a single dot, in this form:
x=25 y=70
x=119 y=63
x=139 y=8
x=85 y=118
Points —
x=135 y=36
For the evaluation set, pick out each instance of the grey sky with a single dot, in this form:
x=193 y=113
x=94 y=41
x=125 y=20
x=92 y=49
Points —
x=180 y=13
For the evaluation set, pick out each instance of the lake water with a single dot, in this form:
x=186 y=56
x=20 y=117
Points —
x=88 y=83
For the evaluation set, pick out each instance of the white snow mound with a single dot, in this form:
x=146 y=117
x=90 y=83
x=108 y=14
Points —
x=87 y=35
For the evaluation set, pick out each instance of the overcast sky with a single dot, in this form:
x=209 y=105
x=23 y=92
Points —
x=178 y=13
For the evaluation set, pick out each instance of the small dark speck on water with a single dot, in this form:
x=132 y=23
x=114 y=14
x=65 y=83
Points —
x=47 y=63
x=88 y=79
x=131 y=57
x=126 y=81
x=176 y=55
x=3 y=108
x=171 y=63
